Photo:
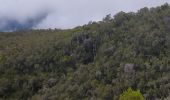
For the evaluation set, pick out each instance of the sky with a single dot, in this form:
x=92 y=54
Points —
x=64 y=14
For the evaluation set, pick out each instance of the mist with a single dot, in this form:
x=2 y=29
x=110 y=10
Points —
x=43 y=14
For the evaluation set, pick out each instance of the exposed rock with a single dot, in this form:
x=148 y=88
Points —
x=129 y=68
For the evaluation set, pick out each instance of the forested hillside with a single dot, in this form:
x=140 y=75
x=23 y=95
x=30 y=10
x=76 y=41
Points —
x=97 y=61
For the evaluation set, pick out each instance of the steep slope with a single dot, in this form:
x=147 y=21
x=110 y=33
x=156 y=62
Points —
x=97 y=61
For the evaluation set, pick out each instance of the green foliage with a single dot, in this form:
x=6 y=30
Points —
x=1 y=57
x=91 y=62
x=131 y=95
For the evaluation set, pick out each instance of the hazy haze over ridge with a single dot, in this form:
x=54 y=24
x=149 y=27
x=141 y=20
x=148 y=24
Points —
x=25 y=14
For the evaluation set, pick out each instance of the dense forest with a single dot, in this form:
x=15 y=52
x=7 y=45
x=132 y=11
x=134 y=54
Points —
x=97 y=61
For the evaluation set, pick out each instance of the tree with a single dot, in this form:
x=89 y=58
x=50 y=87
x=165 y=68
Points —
x=108 y=18
x=131 y=95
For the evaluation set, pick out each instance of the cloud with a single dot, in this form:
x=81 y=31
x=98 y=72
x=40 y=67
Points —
x=25 y=14
x=22 y=14
x=14 y=24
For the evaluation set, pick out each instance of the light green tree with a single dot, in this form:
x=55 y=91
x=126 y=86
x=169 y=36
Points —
x=131 y=95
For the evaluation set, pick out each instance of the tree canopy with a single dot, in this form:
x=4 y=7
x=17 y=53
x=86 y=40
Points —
x=96 y=61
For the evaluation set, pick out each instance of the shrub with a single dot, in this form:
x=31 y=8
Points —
x=131 y=95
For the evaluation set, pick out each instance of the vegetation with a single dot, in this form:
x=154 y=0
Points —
x=131 y=95
x=97 y=61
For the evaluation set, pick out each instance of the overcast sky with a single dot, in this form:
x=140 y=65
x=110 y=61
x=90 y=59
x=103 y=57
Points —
x=64 y=13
